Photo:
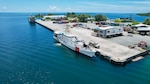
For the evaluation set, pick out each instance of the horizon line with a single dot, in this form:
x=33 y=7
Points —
x=71 y=12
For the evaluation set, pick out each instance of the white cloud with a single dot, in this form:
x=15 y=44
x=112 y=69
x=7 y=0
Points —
x=121 y=8
x=69 y=9
x=96 y=6
x=4 y=7
x=53 y=8
x=138 y=2
x=72 y=9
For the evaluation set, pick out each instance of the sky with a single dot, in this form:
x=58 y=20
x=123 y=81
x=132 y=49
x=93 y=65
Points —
x=103 y=6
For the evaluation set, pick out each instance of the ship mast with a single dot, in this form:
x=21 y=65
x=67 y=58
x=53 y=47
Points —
x=67 y=29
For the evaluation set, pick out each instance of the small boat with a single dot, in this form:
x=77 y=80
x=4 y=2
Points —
x=137 y=58
x=31 y=19
x=74 y=43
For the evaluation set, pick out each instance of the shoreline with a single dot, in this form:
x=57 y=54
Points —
x=117 y=54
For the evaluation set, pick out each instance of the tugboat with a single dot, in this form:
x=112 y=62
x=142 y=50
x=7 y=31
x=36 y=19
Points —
x=74 y=43
x=31 y=19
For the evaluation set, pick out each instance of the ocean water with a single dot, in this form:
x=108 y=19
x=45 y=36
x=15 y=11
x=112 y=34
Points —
x=29 y=55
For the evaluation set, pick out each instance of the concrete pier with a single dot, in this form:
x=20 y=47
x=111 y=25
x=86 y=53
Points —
x=115 y=53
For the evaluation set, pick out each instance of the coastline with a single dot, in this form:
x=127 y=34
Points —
x=30 y=55
x=109 y=15
x=116 y=53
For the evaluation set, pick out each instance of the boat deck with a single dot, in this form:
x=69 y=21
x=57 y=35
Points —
x=115 y=52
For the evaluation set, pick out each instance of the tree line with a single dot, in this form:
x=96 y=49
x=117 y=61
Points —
x=86 y=17
x=144 y=14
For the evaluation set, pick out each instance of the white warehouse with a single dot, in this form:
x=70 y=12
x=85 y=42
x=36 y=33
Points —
x=55 y=17
x=108 y=31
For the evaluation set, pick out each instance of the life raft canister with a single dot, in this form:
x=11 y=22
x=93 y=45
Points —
x=77 y=49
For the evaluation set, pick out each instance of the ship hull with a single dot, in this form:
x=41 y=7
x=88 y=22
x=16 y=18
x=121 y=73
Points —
x=73 y=46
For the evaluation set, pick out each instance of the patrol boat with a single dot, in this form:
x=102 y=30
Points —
x=74 y=43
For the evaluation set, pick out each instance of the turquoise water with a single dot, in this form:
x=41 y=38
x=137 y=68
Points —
x=29 y=55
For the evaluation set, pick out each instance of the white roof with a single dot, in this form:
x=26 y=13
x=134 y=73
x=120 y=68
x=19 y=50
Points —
x=138 y=25
x=144 y=29
x=108 y=27
x=55 y=16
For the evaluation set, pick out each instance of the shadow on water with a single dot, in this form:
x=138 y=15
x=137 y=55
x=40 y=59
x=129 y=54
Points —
x=80 y=56
x=32 y=25
x=32 y=33
x=109 y=62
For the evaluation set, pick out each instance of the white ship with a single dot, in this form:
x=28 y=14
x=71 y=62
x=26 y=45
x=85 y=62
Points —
x=73 y=43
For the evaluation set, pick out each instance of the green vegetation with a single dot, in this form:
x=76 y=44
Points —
x=83 y=17
x=47 y=18
x=71 y=15
x=100 y=17
x=143 y=14
x=50 y=14
x=39 y=16
x=122 y=20
x=147 y=21
x=134 y=22
x=118 y=20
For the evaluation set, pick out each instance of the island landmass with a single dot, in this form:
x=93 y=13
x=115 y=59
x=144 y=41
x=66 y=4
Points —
x=144 y=14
